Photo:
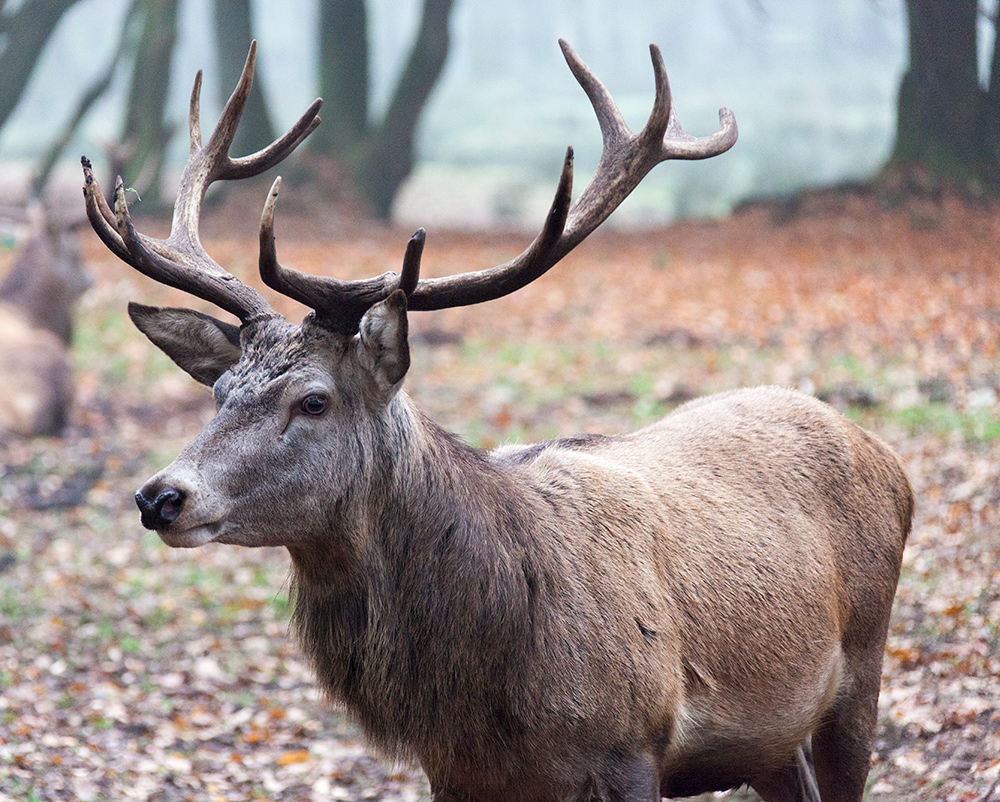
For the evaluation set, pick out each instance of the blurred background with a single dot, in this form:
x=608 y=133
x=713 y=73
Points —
x=813 y=86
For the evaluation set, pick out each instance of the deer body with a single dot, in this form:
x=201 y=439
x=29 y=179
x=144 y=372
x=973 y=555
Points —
x=37 y=377
x=672 y=598
x=686 y=608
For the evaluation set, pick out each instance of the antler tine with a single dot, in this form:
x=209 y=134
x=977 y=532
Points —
x=494 y=282
x=194 y=110
x=99 y=213
x=613 y=126
x=266 y=158
x=663 y=105
x=676 y=143
x=180 y=260
x=410 y=274
x=228 y=168
x=165 y=264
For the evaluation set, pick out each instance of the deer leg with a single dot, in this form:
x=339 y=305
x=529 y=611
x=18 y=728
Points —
x=794 y=782
x=632 y=779
x=842 y=745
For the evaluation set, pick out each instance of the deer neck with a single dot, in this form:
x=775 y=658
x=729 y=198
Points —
x=438 y=582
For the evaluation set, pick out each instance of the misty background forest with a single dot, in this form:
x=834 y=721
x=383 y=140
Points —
x=813 y=86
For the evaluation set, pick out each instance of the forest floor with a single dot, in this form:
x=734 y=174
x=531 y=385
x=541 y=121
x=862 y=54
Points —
x=132 y=671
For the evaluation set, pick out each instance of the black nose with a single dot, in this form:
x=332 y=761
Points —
x=160 y=512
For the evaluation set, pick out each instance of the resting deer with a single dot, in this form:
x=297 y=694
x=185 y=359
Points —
x=37 y=298
x=690 y=607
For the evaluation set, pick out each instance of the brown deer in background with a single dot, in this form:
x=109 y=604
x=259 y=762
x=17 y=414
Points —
x=690 y=607
x=36 y=326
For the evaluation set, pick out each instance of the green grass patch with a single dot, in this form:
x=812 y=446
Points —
x=15 y=607
x=281 y=606
x=851 y=367
x=974 y=426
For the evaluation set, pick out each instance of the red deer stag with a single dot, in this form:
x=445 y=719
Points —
x=693 y=606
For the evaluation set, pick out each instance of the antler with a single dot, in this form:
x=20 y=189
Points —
x=626 y=158
x=180 y=260
x=339 y=304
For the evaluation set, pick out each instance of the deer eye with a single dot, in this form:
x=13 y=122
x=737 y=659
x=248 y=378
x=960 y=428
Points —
x=314 y=404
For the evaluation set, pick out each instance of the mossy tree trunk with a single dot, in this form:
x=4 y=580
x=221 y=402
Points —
x=233 y=34
x=146 y=133
x=378 y=155
x=947 y=123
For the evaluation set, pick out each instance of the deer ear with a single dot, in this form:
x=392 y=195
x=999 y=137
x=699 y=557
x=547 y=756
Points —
x=199 y=344
x=382 y=342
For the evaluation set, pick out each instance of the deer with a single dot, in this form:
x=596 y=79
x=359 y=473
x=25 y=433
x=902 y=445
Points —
x=694 y=606
x=37 y=297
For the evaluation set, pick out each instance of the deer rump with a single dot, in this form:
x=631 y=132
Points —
x=683 y=605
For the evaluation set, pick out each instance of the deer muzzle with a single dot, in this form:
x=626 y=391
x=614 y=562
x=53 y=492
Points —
x=162 y=510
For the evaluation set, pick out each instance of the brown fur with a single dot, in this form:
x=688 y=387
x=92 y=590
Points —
x=671 y=611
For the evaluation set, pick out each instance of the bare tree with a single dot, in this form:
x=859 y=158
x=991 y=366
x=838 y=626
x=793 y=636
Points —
x=233 y=33
x=146 y=132
x=948 y=124
x=378 y=154
x=124 y=52
x=343 y=76
x=24 y=30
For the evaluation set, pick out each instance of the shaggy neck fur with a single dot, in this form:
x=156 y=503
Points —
x=419 y=625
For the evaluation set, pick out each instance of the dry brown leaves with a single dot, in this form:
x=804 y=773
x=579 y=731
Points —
x=128 y=671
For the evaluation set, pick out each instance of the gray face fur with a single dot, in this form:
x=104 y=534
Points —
x=299 y=409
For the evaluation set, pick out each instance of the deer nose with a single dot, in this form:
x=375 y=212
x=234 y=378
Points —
x=161 y=511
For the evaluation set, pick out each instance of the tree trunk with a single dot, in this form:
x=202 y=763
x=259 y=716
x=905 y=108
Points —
x=23 y=35
x=343 y=77
x=146 y=132
x=378 y=157
x=126 y=46
x=233 y=33
x=991 y=103
x=387 y=157
x=942 y=110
